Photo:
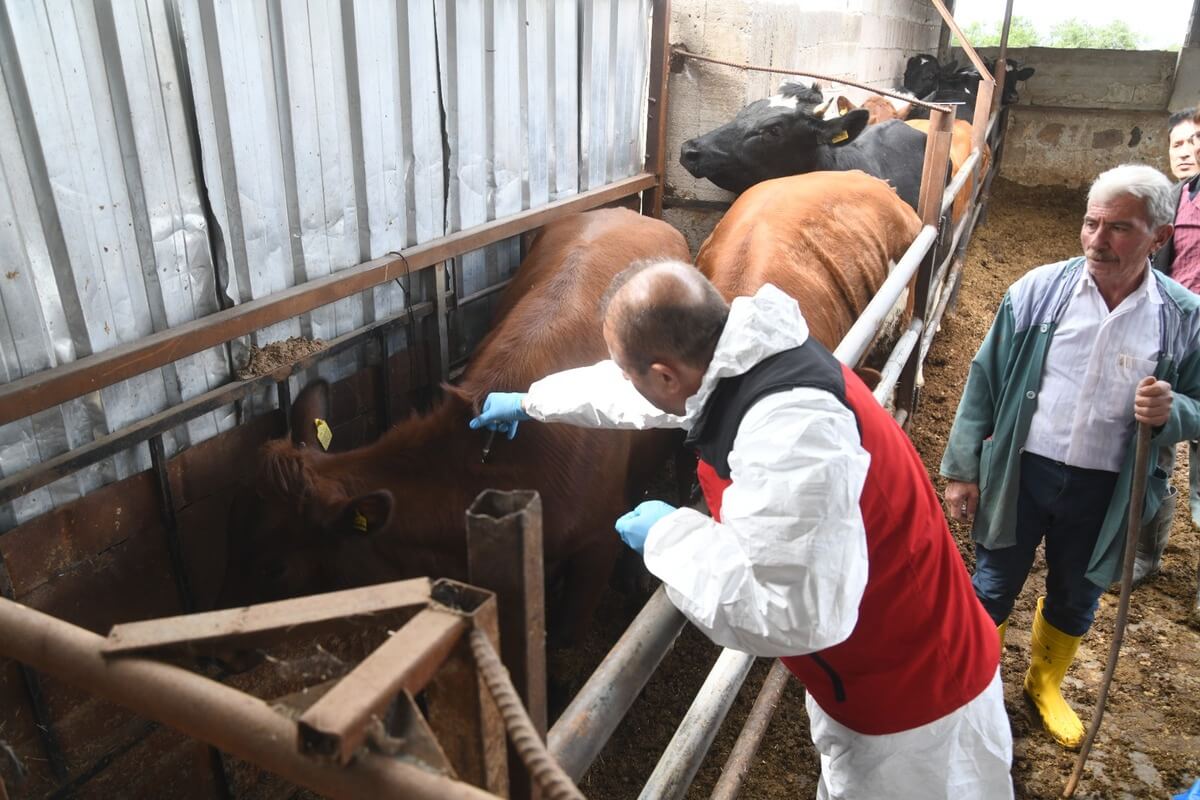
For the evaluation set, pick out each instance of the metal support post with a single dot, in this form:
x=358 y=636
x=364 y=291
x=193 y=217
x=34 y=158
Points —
x=166 y=507
x=465 y=717
x=504 y=555
x=656 y=108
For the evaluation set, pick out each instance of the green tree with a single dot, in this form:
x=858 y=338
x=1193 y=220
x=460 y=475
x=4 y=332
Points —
x=1116 y=35
x=1022 y=33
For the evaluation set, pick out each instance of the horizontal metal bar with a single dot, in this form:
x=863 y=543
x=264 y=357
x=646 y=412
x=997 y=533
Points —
x=960 y=179
x=42 y=390
x=477 y=296
x=237 y=723
x=737 y=766
x=194 y=631
x=594 y=713
x=47 y=472
x=682 y=758
x=336 y=725
x=935 y=319
x=890 y=373
x=862 y=333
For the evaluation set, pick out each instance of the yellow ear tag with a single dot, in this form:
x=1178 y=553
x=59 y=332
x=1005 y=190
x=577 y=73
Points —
x=324 y=435
x=360 y=522
x=840 y=137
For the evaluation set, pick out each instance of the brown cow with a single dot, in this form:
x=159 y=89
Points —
x=960 y=150
x=302 y=531
x=878 y=107
x=828 y=239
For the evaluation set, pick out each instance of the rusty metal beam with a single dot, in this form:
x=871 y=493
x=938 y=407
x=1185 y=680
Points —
x=504 y=555
x=203 y=709
x=42 y=390
x=47 y=472
x=948 y=18
x=196 y=632
x=933 y=175
x=737 y=766
x=336 y=725
x=462 y=712
x=656 y=107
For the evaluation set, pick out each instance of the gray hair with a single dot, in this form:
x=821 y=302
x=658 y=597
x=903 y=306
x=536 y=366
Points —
x=1145 y=183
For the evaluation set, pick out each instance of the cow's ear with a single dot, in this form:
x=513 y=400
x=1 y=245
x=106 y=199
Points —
x=844 y=105
x=310 y=405
x=367 y=513
x=1023 y=74
x=845 y=129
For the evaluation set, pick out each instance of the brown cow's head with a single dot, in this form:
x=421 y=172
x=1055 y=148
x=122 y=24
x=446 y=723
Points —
x=289 y=530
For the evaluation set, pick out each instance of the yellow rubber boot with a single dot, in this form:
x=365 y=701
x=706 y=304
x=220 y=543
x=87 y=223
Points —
x=1002 y=629
x=1050 y=654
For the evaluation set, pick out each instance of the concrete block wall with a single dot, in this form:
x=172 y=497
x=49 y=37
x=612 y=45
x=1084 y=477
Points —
x=1084 y=111
x=866 y=40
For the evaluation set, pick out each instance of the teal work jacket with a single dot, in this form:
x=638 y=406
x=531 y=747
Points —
x=1000 y=397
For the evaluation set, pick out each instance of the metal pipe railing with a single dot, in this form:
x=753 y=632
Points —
x=890 y=374
x=856 y=341
x=737 y=766
x=583 y=729
x=689 y=745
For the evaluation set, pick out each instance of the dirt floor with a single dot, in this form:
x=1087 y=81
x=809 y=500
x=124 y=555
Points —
x=1149 y=743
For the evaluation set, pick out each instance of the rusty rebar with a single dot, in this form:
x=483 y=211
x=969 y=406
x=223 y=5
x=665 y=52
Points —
x=685 y=53
x=547 y=774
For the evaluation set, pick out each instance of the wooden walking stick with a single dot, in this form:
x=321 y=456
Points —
x=1136 y=493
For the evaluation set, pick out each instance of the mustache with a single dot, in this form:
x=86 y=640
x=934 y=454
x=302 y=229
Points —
x=1102 y=256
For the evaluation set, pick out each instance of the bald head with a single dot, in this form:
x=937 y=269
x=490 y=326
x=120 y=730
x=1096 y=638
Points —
x=663 y=311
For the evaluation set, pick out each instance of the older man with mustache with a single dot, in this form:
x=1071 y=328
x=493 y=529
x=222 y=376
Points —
x=1041 y=444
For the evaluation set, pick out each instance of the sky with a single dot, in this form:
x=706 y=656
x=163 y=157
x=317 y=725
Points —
x=1162 y=22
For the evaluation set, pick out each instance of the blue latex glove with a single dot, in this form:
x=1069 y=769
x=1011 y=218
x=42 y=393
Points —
x=1190 y=794
x=501 y=412
x=635 y=526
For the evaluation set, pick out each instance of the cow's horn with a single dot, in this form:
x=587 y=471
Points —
x=820 y=110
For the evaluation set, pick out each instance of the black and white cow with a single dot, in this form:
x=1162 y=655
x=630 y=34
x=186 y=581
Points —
x=957 y=85
x=785 y=134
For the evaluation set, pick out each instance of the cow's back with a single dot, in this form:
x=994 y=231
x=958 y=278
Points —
x=826 y=238
x=548 y=319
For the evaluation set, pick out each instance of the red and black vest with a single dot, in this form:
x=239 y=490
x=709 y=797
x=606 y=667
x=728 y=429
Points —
x=923 y=645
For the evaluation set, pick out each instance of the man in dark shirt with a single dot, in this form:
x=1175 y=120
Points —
x=1179 y=258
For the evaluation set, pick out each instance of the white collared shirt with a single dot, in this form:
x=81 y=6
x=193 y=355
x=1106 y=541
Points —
x=1084 y=414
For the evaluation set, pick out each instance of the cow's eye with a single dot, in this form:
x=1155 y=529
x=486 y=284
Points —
x=773 y=131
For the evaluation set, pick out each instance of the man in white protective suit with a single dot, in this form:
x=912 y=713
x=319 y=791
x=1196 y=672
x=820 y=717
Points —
x=827 y=546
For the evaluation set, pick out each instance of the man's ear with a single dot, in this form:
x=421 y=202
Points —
x=1162 y=236
x=367 y=513
x=845 y=129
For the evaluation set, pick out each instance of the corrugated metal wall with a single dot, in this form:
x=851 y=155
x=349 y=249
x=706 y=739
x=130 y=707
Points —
x=164 y=158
